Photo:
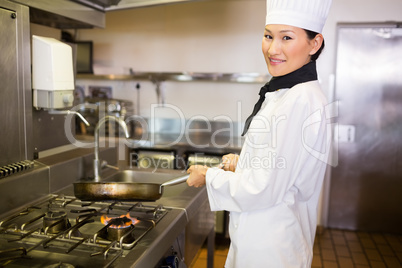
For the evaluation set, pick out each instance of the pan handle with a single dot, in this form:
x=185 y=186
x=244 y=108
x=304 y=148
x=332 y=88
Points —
x=182 y=179
x=176 y=181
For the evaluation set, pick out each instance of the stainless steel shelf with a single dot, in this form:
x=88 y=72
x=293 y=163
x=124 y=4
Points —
x=183 y=77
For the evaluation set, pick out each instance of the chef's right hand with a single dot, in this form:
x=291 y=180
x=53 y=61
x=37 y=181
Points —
x=229 y=162
x=197 y=175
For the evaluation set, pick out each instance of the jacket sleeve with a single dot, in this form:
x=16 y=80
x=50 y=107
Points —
x=274 y=165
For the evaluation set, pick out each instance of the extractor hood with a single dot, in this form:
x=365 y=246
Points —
x=79 y=14
x=63 y=14
x=126 y=4
x=107 y=5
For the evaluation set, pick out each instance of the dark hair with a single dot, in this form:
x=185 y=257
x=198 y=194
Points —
x=311 y=35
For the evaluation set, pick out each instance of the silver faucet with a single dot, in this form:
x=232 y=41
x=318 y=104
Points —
x=97 y=163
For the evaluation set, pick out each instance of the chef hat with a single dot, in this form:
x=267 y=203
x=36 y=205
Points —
x=306 y=14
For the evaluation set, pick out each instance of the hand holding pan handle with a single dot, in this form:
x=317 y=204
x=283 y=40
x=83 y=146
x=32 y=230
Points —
x=182 y=179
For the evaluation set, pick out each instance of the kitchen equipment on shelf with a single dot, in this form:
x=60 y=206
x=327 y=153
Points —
x=95 y=108
x=207 y=159
x=153 y=158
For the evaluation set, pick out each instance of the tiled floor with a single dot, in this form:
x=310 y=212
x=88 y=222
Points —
x=221 y=251
x=335 y=249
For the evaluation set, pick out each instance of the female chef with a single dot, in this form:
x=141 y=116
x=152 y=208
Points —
x=272 y=195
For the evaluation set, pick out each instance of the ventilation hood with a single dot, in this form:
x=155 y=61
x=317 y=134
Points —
x=79 y=14
x=107 y=5
x=63 y=14
x=126 y=4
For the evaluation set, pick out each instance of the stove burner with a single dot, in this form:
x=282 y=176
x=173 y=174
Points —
x=61 y=231
x=119 y=227
x=115 y=234
x=55 y=222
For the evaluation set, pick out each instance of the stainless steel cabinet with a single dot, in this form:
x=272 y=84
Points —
x=366 y=186
x=15 y=85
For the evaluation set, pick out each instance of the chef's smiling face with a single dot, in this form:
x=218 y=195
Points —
x=287 y=48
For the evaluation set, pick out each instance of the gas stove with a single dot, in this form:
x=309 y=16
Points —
x=62 y=231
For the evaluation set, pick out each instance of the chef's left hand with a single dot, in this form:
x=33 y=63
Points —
x=197 y=175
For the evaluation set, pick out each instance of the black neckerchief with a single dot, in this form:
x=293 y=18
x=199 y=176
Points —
x=305 y=74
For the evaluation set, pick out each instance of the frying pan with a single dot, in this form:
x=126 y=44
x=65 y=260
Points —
x=127 y=191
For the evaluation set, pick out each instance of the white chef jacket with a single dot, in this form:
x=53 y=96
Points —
x=273 y=194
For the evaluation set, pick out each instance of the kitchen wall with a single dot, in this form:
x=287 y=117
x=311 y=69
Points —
x=207 y=36
x=202 y=36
